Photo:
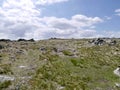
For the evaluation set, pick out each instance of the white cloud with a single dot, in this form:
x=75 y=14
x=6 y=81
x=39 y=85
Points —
x=18 y=3
x=44 y=2
x=111 y=33
x=117 y=12
x=19 y=10
x=68 y=28
x=3 y=35
x=84 y=21
x=21 y=19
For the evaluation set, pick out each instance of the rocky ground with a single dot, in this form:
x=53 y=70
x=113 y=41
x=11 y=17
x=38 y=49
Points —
x=59 y=64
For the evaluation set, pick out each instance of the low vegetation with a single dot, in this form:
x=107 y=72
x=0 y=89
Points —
x=5 y=84
x=5 y=69
x=57 y=64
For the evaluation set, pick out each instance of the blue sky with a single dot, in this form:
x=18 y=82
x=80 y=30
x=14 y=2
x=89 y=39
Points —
x=41 y=19
x=99 y=8
x=91 y=8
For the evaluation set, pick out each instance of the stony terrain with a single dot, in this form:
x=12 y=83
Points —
x=59 y=64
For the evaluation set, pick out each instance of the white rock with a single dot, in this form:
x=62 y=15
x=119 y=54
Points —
x=26 y=77
x=117 y=85
x=117 y=71
x=22 y=66
x=60 y=87
x=6 y=78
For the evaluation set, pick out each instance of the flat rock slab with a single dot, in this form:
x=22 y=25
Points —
x=6 y=78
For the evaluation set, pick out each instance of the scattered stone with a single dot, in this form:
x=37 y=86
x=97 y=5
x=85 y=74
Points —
x=22 y=66
x=43 y=49
x=53 y=38
x=21 y=40
x=117 y=85
x=98 y=41
x=5 y=40
x=31 y=40
x=55 y=49
x=117 y=71
x=21 y=52
x=102 y=41
x=60 y=88
x=26 y=77
x=6 y=78
x=114 y=42
x=91 y=41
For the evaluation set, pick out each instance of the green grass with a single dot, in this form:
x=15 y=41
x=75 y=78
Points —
x=91 y=69
x=4 y=85
x=5 y=69
x=67 y=52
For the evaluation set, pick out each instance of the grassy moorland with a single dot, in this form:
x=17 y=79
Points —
x=58 y=64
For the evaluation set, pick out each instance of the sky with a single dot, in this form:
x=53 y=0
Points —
x=43 y=19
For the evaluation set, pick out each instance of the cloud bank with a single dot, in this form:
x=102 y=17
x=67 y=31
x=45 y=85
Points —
x=22 y=19
x=44 y=2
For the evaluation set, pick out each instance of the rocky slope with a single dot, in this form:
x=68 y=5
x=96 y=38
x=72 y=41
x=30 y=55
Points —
x=59 y=64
